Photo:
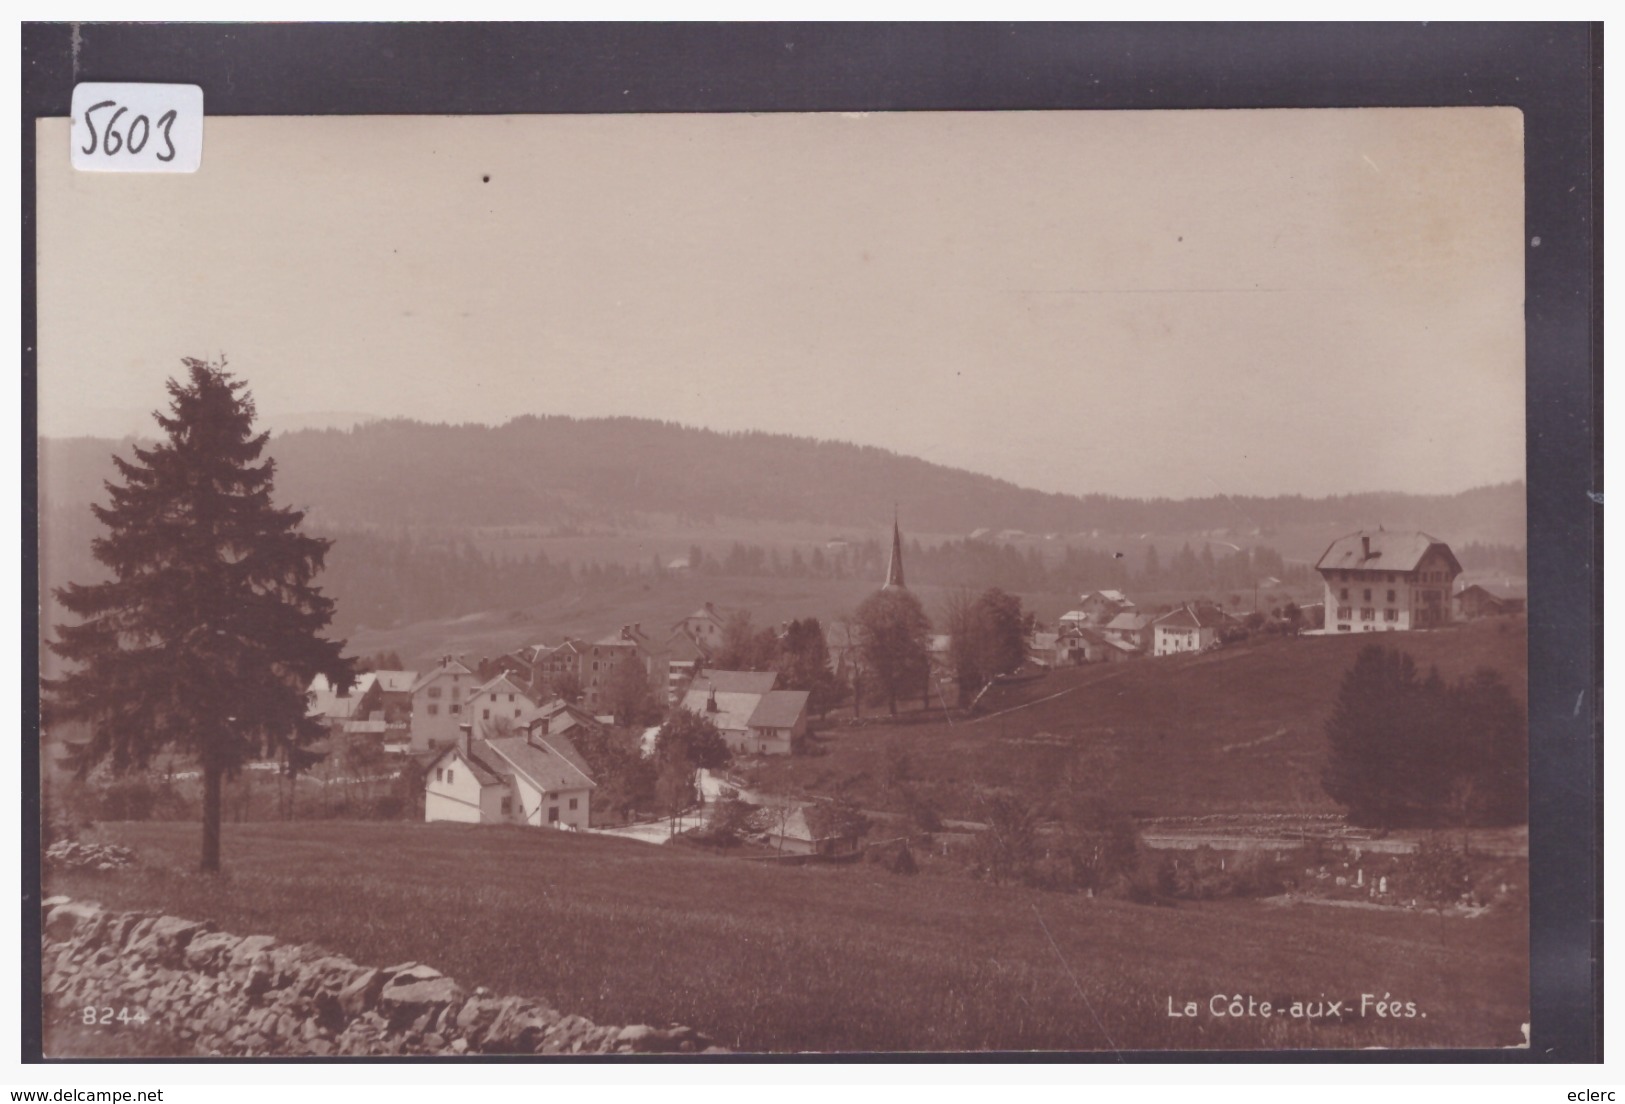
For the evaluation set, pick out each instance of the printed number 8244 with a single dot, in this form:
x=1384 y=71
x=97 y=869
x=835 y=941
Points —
x=107 y=1015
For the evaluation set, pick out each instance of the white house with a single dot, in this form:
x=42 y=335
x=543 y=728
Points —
x=754 y=718
x=536 y=780
x=438 y=698
x=1187 y=629
x=1382 y=581
x=500 y=704
x=777 y=724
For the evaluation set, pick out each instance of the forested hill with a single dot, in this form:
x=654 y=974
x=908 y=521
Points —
x=568 y=471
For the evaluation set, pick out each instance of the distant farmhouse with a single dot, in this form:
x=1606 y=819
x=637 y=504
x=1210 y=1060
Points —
x=705 y=626
x=1099 y=607
x=1382 y=581
x=1187 y=629
x=536 y=780
x=1133 y=628
x=1478 y=600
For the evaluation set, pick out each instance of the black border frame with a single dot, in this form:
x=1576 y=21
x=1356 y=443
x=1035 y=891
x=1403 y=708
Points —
x=1552 y=72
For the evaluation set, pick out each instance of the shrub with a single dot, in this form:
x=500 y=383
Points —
x=1436 y=872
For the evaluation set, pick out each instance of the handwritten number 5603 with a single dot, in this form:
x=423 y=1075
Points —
x=113 y=142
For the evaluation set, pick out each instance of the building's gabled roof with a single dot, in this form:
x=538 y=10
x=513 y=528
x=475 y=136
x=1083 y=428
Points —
x=562 y=747
x=324 y=701
x=559 y=716
x=544 y=652
x=1120 y=645
x=1493 y=592
x=451 y=667
x=1381 y=550
x=1116 y=597
x=396 y=682
x=502 y=684
x=734 y=682
x=707 y=612
x=539 y=760
x=486 y=773
x=779 y=709
x=1130 y=621
x=683 y=648
x=733 y=710
x=1074 y=615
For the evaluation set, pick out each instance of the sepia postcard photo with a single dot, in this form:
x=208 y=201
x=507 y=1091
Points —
x=832 y=583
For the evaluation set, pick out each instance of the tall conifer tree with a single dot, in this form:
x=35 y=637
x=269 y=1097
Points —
x=209 y=631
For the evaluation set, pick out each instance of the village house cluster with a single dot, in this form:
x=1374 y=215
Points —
x=499 y=750
x=1374 y=581
x=496 y=739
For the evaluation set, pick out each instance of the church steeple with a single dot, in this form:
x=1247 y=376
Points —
x=894 y=570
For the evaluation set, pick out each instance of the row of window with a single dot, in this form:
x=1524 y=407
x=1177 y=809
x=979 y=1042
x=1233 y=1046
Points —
x=1344 y=594
x=1367 y=614
x=552 y=810
x=1388 y=576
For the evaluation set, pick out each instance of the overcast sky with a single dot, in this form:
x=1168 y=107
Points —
x=1137 y=303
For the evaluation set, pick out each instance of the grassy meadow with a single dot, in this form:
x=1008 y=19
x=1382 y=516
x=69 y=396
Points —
x=1238 y=730
x=766 y=958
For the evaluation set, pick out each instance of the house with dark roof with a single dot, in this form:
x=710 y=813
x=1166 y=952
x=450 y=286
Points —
x=390 y=697
x=558 y=718
x=537 y=780
x=1379 y=581
x=1134 y=629
x=1479 y=600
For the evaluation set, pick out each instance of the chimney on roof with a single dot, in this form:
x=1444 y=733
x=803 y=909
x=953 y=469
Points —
x=711 y=702
x=465 y=733
x=637 y=627
x=1365 y=546
x=445 y=659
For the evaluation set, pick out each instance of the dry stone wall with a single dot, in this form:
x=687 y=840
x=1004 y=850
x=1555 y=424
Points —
x=242 y=996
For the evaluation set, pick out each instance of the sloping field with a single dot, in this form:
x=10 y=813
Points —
x=1237 y=730
x=830 y=958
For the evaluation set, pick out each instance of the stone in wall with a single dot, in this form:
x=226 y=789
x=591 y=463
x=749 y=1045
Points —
x=252 y=996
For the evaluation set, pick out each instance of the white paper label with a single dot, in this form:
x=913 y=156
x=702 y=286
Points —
x=137 y=127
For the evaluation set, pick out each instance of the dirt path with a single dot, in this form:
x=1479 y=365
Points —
x=1092 y=683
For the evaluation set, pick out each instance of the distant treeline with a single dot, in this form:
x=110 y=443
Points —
x=980 y=564
x=569 y=471
x=380 y=579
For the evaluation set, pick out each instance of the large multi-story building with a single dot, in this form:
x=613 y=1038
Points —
x=438 y=699
x=1387 y=582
